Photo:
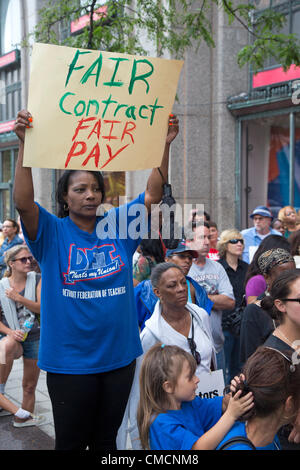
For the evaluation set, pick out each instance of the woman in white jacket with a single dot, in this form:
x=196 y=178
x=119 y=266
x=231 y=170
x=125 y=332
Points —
x=173 y=322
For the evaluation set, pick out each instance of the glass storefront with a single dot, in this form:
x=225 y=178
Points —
x=269 y=163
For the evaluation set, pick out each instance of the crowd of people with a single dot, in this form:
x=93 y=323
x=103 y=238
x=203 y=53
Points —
x=145 y=345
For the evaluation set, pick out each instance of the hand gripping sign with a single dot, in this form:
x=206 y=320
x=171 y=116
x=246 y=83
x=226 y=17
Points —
x=97 y=110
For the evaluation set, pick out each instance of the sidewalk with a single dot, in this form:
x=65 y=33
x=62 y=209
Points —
x=32 y=437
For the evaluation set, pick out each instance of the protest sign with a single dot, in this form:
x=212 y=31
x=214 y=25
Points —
x=97 y=110
x=211 y=384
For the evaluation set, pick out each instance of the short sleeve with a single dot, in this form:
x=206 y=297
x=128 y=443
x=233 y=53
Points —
x=46 y=227
x=210 y=410
x=255 y=286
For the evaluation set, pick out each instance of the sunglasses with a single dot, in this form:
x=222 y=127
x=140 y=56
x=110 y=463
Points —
x=24 y=259
x=291 y=300
x=193 y=347
x=234 y=241
x=194 y=352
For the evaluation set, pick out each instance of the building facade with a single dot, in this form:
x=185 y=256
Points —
x=239 y=141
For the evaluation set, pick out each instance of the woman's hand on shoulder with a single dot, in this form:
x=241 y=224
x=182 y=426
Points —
x=22 y=122
x=12 y=294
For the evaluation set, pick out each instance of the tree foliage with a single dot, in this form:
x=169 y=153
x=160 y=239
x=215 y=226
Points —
x=172 y=26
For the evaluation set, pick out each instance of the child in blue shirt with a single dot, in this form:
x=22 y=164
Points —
x=170 y=416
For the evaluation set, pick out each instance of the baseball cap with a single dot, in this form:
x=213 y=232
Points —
x=182 y=247
x=263 y=211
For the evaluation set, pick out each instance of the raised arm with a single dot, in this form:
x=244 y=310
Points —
x=154 y=190
x=23 y=192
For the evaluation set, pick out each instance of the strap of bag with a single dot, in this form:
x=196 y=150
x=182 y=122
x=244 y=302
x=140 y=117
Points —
x=237 y=440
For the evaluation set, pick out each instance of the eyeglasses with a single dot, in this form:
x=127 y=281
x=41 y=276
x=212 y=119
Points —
x=7 y=226
x=193 y=347
x=291 y=300
x=24 y=259
x=234 y=241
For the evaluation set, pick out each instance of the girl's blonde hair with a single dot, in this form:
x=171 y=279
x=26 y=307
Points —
x=161 y=363
x=225 y=236
x=10 y=255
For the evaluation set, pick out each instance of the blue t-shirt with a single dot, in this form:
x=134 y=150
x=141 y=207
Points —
x=88 y=315
x=239 y=429
x=180 y=429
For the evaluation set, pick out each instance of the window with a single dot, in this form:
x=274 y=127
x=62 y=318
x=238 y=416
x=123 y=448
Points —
x=11 y=26
x=291 y=10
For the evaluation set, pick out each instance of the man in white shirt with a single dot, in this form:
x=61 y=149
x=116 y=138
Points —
x=212 y=276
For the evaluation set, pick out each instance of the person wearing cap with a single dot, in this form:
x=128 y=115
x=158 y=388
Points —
x=146 y=299
x=253 y=236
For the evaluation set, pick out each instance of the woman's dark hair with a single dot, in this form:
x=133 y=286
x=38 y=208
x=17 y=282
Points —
x=159 y=270
x=152 y=247
x=269 y=376
x=270 y=242
x=280 y=289
x=62 y=189
x=294 y=240
x=15 y=225
x=212 y=224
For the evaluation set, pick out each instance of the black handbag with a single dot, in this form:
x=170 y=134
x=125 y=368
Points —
x=233 y=320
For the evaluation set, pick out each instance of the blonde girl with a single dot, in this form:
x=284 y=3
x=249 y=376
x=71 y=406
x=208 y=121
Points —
x=170 y=416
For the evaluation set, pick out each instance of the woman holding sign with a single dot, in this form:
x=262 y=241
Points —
x=89 y=330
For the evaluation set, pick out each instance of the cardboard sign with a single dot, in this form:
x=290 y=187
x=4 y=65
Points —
x=211 y=384
x=95 y=110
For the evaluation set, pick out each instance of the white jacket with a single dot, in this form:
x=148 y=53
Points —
x=157 y=330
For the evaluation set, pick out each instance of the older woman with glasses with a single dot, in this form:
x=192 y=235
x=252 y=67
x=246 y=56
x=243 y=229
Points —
x=19 y=327
x=177 y=322
x=231 y=246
